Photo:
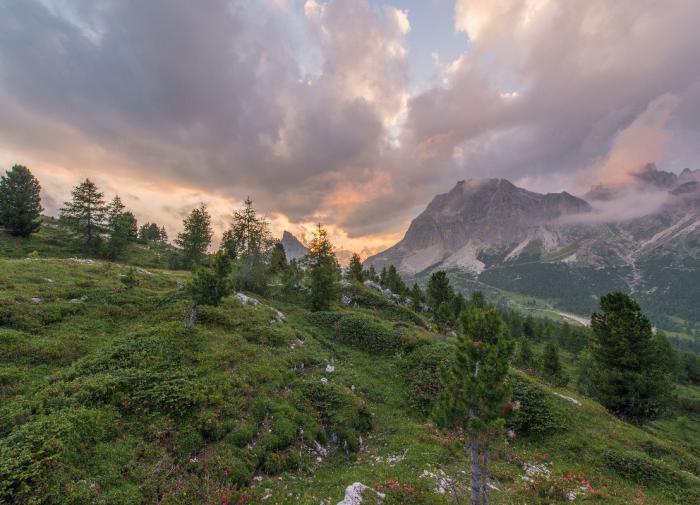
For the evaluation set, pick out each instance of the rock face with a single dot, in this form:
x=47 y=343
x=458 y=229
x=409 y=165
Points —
x=476 y=216
x=642 y=237
x=293 y=248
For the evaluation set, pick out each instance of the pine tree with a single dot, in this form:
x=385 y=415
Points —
x=209 y=285
x=439 y=290
x=323 y=270
x=417 y=297
x=150 y=232
x=20 y=201
x=458 y=304
x=630 y=380
x=196 y=236
x=278 y=259
x=250 y=241
x=393 y=281
x=250 y=232
x=292 y=277
x=551 y=365
x=372 y=274
x=382 y=277
x=121 y=229
x=355 y=271
x=114 y=210
x=228 y=245
x=475 y=393
x=163 y=235
x=525 y=357
x=131 y=225
x=86 y=212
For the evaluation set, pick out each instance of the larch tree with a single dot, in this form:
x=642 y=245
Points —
x=475 y=392
x=20 y=201
x=196 y=236
x=86 y=213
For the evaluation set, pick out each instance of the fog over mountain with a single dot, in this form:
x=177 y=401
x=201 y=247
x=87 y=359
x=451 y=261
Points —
x=642 y=237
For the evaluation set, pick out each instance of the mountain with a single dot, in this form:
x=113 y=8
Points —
x=478 y=216
x=642 y=238
x=293 y=248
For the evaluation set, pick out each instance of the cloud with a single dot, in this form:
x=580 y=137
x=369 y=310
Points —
x=309 y=107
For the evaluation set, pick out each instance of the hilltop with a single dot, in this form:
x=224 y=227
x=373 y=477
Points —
x=108 y=398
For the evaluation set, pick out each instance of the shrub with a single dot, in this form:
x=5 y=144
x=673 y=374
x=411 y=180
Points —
x=422 y=369
x=338 y=412
x=536 y=414
x=640 y=469
x=365 y=333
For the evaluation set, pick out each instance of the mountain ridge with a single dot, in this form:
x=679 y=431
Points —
x=642 y=238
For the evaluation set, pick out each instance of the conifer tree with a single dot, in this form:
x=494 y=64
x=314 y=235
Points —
x=228 y=245
x=439 y=290
x=20 y=201
x=323 y=270
x=250 y=232
x=525 y=357
x=149 y=232
x=163 y=235
x=630 y=379
x=250 y=241
x=393 y=281
x=355 y=271
x=86 y=212
x=120 y=233
x=278 y=258
x=551 y=365
x=292 y=277
x=114 y=210
x=131 y=225
x=382 y=277
x=475 y=393
x=417 y=297
x=196 y=236
x=209 y=284
x=372 y=274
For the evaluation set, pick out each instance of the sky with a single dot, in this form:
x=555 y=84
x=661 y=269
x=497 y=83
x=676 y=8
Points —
x=353 y=113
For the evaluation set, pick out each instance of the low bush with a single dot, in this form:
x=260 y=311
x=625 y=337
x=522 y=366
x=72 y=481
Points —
x=536 y=415
x=343 y=416
x=366 y=333
x=640 y=469
x=422 y=370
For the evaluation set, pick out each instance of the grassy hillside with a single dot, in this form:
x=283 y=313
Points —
x=106 y=397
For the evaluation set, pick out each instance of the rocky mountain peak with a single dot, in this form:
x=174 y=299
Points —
x=293 y=248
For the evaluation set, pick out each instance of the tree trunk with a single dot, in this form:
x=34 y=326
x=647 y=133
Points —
x=193 y=316
x=476 y=470
x=485 y=473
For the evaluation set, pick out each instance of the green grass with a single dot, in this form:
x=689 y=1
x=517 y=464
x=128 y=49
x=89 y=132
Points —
x=112 y=400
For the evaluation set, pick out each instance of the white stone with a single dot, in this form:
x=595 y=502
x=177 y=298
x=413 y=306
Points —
x=569 y=399
x=37 y=299
x=353 y=494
